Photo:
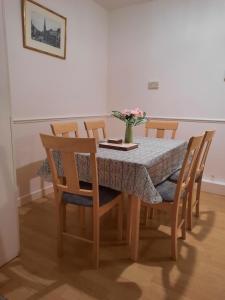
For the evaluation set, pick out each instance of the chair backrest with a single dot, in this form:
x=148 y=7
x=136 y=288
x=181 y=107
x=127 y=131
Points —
x=188 y=168
x=204 y=150
x=161 y=127
x=64 y=129
x=93 y=127
x=67 y=149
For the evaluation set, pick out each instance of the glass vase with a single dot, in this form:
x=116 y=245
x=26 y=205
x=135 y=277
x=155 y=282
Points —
x=128 y=134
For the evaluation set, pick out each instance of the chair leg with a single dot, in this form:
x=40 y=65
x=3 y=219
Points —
x=145 y=215
x=174 y=243
x=198 y=192
x=151 y=215
x=96 y=239
x=64 y=217
x=190 y=198
x=120 y=220
x=60 y=225
x=184 y=219
x=174 y=236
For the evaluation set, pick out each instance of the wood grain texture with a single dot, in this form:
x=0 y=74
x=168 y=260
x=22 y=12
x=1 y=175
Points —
x=68 y=147
x=65 y=129
x=121 y=147
x=196 y=176
x=161 y=127
x=178 y=220
x=39 y=274
x=93 y=128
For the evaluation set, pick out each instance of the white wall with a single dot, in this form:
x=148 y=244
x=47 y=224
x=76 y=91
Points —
x=9 y=233
x=44 y=86
x=181 y=44
x=47 y=87
x=178 y=43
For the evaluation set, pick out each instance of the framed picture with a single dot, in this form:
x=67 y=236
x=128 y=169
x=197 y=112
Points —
x=43 y=29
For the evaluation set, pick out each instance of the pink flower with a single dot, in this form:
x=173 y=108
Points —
x=141 y=113
x=126 y=112
x=132 y=117
x=137 y=112
x=133 y=111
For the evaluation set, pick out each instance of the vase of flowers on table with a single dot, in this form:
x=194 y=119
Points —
x=131 y=117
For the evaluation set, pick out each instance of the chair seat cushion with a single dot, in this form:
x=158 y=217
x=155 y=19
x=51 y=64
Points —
x=167 y=190
x=105 y=195
x=174 y=177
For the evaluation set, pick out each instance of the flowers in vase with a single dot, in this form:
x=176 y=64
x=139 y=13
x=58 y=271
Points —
x=132 y=117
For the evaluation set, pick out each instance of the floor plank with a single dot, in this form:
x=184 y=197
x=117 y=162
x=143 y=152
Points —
x=198 y=274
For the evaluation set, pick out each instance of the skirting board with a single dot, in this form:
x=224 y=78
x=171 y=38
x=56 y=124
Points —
x=22 y=200
x=214 y=187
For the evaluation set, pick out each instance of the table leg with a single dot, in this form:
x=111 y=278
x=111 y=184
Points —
x=135 y=227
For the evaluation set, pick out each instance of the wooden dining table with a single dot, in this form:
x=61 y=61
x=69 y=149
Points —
x=135 y=172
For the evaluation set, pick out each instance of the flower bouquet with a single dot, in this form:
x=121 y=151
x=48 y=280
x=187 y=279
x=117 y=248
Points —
x=132 y=117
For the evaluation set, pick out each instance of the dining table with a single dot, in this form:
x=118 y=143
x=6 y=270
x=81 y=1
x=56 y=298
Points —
x=136 y=172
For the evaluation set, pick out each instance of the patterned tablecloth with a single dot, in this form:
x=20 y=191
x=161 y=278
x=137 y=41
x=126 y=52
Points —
x=134 y=172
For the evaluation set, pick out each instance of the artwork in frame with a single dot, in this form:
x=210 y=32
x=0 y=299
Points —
x=43 y=29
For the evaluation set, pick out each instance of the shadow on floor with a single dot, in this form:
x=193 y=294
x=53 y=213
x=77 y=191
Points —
x=39 y=274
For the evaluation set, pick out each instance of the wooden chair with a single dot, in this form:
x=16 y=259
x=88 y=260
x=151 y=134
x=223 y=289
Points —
x=93 y=128
x=161 y=127
x=64 y=129
x=175 y=195
x=197 y=176
x=74 y=192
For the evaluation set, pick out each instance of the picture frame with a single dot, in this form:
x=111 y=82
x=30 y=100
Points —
x=43 y=29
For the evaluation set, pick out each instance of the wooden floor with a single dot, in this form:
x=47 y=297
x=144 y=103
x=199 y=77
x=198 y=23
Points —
x=198 y=274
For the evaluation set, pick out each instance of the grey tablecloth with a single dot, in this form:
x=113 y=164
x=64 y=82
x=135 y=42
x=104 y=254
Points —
x=134 y=172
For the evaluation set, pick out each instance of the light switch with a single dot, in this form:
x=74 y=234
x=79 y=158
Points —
x=153 y=85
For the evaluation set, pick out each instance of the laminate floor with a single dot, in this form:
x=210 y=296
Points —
x=199 y=273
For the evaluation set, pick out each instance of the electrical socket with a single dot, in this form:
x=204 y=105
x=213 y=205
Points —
x=153 y=85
